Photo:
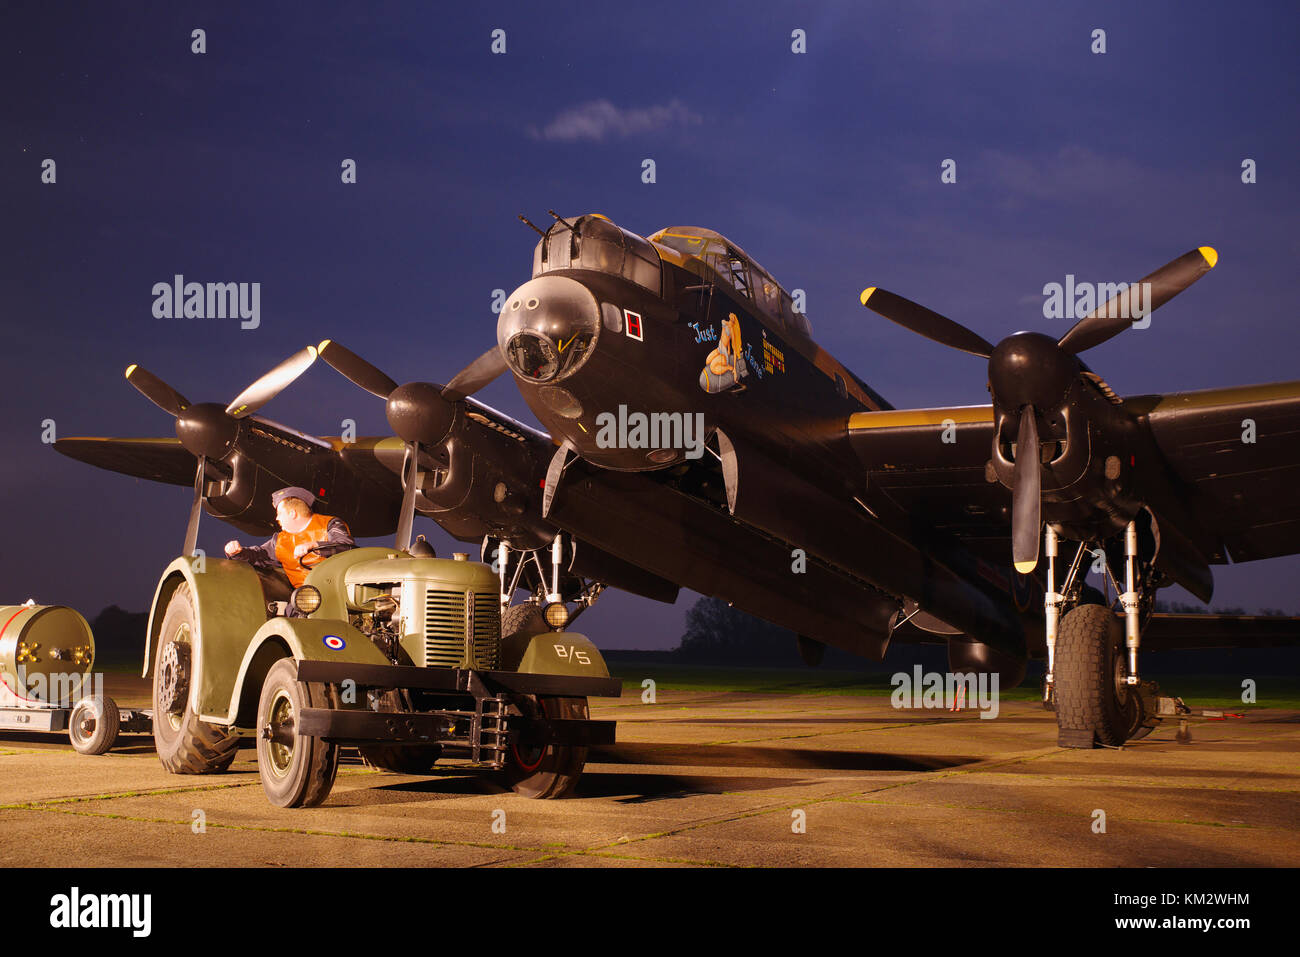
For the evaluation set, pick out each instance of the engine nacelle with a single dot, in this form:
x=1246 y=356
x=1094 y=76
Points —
x=966 y=656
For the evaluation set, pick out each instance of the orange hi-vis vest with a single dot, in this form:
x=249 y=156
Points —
x=317 y=530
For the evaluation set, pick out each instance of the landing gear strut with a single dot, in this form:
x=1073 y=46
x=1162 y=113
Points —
x=546 y=572
x=1092 y=679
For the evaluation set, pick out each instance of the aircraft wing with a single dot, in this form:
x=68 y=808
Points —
x=159 y=460
x=927 y=465
x=1178 y=632
x=1168 y=632
x=1238 y=450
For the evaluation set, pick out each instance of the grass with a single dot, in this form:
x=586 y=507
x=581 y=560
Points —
x=1198 y=691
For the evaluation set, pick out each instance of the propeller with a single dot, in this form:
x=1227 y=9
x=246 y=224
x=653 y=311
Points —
x=925 y=322
x=476 y=375
x=1101 y=324
x=192 y=527
x=356 y=369
x=411 y=482
x=272 y=384
x=156 y=390
x=1026 y=496
x=422 y=414
x=1028 y=370
x=1108 y=320
x=479 y=373
x=208 y=430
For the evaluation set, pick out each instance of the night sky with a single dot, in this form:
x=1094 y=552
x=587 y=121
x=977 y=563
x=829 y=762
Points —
x=824 y=166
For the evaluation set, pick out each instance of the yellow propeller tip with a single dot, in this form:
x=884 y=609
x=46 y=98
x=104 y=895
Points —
x=1211 y=255
x=131 y=368
x=313 y=351
x=323 y=344
x=866 y=294
x=1026 y=567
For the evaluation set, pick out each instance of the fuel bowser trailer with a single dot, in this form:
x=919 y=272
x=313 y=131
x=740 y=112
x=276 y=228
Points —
x=47 y=681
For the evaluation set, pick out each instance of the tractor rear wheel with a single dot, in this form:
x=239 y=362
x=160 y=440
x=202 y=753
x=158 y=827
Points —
x=185 y=744
x=545 y=771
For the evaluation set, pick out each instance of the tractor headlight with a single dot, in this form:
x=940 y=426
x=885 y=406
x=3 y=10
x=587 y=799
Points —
x=556 y=615
x=305 y=599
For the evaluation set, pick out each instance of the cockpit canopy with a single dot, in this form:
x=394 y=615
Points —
x=737 y=269
x=593 y=242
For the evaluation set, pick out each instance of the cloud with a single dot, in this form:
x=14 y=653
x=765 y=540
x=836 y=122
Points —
x=601 y=119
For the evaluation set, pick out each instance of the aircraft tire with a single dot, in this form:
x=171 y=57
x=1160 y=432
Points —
x=1089 y=697
x=525 y=617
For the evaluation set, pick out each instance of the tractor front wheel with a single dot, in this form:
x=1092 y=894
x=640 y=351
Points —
x=545 y=771
x=296 y=771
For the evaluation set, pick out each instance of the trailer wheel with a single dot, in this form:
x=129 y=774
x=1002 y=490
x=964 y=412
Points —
x=546 y=771
x=296 y=771
x=93 y=725
x=185 y=744
x=1093 y=702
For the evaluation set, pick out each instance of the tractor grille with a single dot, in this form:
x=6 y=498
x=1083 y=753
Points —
x=445 y=631
x=487 y=631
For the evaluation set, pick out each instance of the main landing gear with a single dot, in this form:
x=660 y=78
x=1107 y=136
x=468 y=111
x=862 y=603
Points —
x=559 y=596
x=1092 y=680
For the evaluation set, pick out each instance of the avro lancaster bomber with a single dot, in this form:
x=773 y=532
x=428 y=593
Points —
x=814 y=504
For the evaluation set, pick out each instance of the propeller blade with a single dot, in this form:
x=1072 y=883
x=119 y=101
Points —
x=475 y=375
x=925 y=322
x=411 y=475
x=156 y=390
x=196 y=509
x=355 y=368
x=1118 y=313
x=272 y=384
x=553 y=473
x=1026 y=496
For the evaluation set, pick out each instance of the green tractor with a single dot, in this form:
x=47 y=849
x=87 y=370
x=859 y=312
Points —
x=405 y=658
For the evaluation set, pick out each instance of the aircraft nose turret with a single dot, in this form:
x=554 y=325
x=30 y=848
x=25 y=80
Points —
x=548 y=328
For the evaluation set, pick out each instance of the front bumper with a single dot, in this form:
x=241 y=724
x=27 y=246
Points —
x=477 y=722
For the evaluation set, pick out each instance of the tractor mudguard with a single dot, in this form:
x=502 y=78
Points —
x=323 y=638
x=229 y=607
x=553 y=653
